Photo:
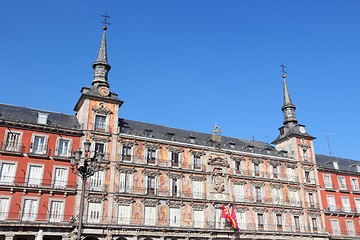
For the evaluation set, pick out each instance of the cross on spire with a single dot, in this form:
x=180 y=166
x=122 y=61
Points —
x=105 y=22
x=283 y=67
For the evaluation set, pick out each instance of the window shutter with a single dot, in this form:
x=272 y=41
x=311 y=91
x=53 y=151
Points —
x=122 y=182
x=4 y=208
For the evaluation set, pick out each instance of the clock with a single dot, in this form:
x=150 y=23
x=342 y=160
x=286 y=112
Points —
x=103 y=91
x=302 y=130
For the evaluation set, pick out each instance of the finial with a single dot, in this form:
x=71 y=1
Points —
x=105 y=22
x=283 y=70
x=216 y=130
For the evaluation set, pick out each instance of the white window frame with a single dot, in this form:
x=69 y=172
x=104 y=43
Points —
x=328 y=184
x=193 y=158
x=348 y=207
x=178 y=185
x=4 y=178
x=126 y=218
x=330 y=206
x=34 y=182
x=171 y=160
x=354 y=182
x=18 y=143
x=126 y=182
x=336 y=231
x=69 y=148
x=352 y=231
x=4 y=210
x=147 y=149
x=33 y=216
x=132 y=149
x=63 y=183
x=241 y=219
x=198 y=223
x=58 y=217
x=150 y=220
x=340 y=185
x=96 y=207
x=106 y=124
x=99 y=177
x=175 y=212
x=155 y=183
x=276 y=195
x=239 y=192
x=44 y=149
x=200 y=184
x=357 y=200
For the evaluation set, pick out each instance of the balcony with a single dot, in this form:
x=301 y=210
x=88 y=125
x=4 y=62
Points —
x=34 y=219
x=37 y=184
x=100 y=128
x=62 y=155
x=40 y=151
x=342 y=210
x=12 y=149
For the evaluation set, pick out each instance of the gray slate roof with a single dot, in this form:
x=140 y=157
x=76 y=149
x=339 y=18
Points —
x=324 y=161
x=30 y=116
x=203 y=139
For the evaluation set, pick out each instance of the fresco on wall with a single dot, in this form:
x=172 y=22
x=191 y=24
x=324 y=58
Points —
x=163 y=213
x=163 y=184
x=137 y=216
x=138 y=182
x=139 y=153
x=185 y=160
x=186 y=215
x=186 y=187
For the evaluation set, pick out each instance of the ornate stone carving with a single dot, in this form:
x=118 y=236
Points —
x=95 y=199
x=218 y=161
x=277 y=186
x=197 y=153
x=293 y=188
x=198 y=206
x=102 y=109
x=241 y=209
x=290 y=165
x=218 y=180
x=260 y=210
x=175 y=175
x=122 y=201
x=197 y=178
x=237 y=159
x=100 y=139
x=310 y=190
x=239 y=182
x=151 y=173
x=175 y=149
x=256 y=160
x=274 y=163
x=150 y=203
x=174 y=204
x=152 y=146
x=257 y=184
x=125 y=170
x=127 y=143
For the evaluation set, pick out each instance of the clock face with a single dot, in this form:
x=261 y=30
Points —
x=302 y=129
x=103 y=91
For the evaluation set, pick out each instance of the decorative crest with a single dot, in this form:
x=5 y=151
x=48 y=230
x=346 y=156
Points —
x=283 y=67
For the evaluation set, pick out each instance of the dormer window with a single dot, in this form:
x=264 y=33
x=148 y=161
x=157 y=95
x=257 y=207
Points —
x=148 y=133
x=282 y=153
x=191 y=139
x=231 y=145
x=250 y=148
x=125 y=129
x=358 y=168
x=336 y=165
x=170 y=136
x=42 y=118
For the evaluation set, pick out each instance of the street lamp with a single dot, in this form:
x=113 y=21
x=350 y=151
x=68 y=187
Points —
x=85 y=167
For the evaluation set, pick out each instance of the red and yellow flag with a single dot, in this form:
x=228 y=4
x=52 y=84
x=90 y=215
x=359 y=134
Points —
x=230 y=216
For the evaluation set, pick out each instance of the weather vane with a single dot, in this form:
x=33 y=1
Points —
x=283 y=70
x=105 y=22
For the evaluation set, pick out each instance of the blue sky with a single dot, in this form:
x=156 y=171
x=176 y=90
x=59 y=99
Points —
x=188 y=64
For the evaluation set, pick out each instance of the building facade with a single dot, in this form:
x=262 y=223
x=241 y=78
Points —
x=163 y=183
x=37 y=188
x=340 y=194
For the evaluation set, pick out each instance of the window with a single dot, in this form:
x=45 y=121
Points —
x=279 y=220
x=35 y=174
x=13 y=142
x=198 y=218
x=56 y=211
x=275 y=172
x=294 y=198
x=125 y=182
x=342 y=183
x=328 y=182
x=96 y=181
x=7 y=173
x=276 y=195
x=60 y=177
x=100 y=123
x=258 y=194
x=151 y=156
x=314 y=223
x=311 y=200
x=4 y=207
x=197 y=162
x=358 y=168
x=260 y=220
x=350 y=227
x=239 y=193
x=297 y=222
x=240 y=216
x=307 y=177
x=357 y=204
x=99 y=147
x=345 y=204
x=124 y=214
x=126 y=153
x=42 y=118
x=354 y=184
x=291 y=174
x=29 y=210
x=175 y=187
x=331 y=202
x=257 y=169
x=94 y=212
x=198 y=189
x=335 y=228
x=175 y=156
x=64 y=149
x=148 y=133
x=336 y=165
x=39 y=145
x=150 y=215
x=238 y=167
x=151 y=185
x=174 y=217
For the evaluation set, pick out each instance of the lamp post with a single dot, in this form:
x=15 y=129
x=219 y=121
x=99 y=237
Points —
x=85 y=167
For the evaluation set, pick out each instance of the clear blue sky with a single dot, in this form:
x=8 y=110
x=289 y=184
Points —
x=189 y=64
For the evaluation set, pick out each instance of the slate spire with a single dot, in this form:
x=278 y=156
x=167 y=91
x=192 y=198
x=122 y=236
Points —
x=101 y=66
x=288 y=107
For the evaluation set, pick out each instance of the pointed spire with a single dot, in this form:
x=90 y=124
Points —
x=288 y=107
x=101 y=66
